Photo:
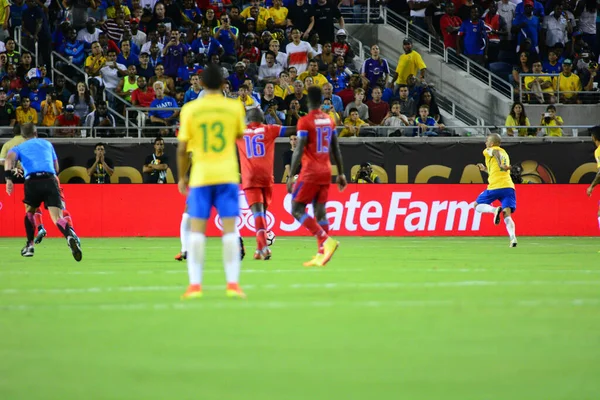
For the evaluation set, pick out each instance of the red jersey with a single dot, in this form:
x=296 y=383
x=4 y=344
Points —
x=257 y=151
x=316 y=128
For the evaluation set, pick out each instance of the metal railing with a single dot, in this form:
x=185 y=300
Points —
x=21 y=47
x=450 y=56
x=363 y=13
x=556 y=92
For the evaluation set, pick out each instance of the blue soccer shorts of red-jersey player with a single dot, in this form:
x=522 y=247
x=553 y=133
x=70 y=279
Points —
x=307 y=192
x=262 y=195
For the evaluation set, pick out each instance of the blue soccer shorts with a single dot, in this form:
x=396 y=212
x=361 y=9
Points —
x=225 y=198
x=506 y=196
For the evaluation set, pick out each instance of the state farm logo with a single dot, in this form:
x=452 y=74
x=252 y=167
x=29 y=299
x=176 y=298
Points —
x=400 y=214
x=246 y=219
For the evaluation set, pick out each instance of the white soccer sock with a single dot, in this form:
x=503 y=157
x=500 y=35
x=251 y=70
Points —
x=231 y=257
x=184 y=231
x=195 y=258
x=485 y=208
x=236 y=230
x=510 y=227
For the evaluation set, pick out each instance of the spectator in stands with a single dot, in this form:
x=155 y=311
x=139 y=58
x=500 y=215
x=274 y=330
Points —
x=25 y=65
x=417 y=12
x=33 y=91
x=12 y=56
x=111 y=12
x=227 y=36
x=298 y=96
x=395 y=118
x=216 y=60
x=270 y=72
x=313 y=72
x=326 y=58
x=428 y=98
x=51 y=108
x=126 y=57
x=280 y=58
x=100 y=168
x=550 y=119
x=359 y=105
x=347 y=94
x=269 y=96
x=90 y=33
x=407 y=103
x=173 y=11
x=472 y=38
x=251 y=92
x=336 y=100
x=155 y=58
x=338 y=79
x=450 y=25
x=272 y=115
x=16 y=82
x=517 y=117
x=352 y=124
x=567 y=84
x=67 y=120
x=187 y=71
x=342 y=48
x=375 y=67
x=496 y=26
x=95 y=61
x=159 y=76
x=587 y=11
x=464 y=12
x=538 y=9
x=527 y=25
x=82 y=101
x=194 y=91
x=552 y=66
x=17 y=8
x=279 y=14
x=160 y=17
x=25 y=114
x=247 y=100
x=156 y=165
x=128 y=84
x=327 y=107
x=144 y=68
x=153 y=40
x=409 y=63
x=294 y=113
x=206 y=44
x=426 y=124
x=161 y=117
x=302 y=17
x=100 y=118
x=174 y=54
x=298 y=51
x=378 y=109
x=556 y=27
x=137 y=36
x=284 y=87
x=7 y=111
x=239 y=76
x=143 y=96
x=248 y=49
x=112 y=72
x=35 y=28
x=524 y=67
x=539 y=86
x=114 y=27
x=326 y=14
x=234 y=18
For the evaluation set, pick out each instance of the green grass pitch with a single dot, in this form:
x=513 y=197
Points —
x=388 y=318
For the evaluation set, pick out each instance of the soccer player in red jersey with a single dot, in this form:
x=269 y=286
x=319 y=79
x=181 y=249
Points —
x=257 y=151
x=316 y=139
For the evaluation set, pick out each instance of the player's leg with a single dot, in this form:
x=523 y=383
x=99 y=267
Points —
x=254 y=197
x=330 y=245
x=39 y=224
x=184 y=229
x=199 y=205
x=303 y=194
x=33 y=198
x=483 y=204
x=509 y=205
x=54 y=202
x=599 y=215
x=228 y=205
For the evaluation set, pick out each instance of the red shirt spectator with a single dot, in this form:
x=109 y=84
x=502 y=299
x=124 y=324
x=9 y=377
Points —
x=217 y=5
x=449 y=25
x=347 y=95
x=141 y=97
x=377 y=109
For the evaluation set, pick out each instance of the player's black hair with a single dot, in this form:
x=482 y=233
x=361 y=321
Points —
x=314 y=97
x=595 y=132
x=212 y=77
x=255 y=115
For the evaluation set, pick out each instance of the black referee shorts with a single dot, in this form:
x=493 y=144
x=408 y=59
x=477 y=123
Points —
x=43 y=189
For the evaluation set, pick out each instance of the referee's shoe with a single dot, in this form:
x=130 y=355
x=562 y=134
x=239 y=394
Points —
x=75 y=248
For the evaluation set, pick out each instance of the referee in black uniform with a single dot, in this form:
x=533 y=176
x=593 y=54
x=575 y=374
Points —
x=40 y=166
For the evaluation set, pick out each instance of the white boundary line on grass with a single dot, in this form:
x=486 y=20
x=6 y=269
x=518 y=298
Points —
x=343 y=285
x=213 y=303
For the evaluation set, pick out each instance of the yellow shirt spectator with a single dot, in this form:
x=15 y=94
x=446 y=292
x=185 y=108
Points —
x=283 y=93
x=50 y=116
x=95 y=64
x=352 y=126
x=553 y=122
x=566 y=84
x=279 y=15
x=4 y=10
x=409 y=64
x=210 y=126
x=26 y=116
x=111 y=12
x=510 y=122
x=318 y=80
x=261 y=21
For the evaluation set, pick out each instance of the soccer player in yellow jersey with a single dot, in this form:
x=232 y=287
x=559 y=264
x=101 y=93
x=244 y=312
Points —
x=500 y=186
x=595 y=132
x=209 y=128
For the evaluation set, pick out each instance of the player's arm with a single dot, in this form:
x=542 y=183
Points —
x=9 y=164
x=503 y=167
x=183 y=166
x=296 y=157
x=337 y=157
x=595 y=182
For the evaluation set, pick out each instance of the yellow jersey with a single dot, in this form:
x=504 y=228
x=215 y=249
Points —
x=409 y=64
x=567 y=84
x=279 y=15
x=14 y=142
x=210 y=126
x=553 y=131
x=497 y=178
x=318 y=79
x=597 y=155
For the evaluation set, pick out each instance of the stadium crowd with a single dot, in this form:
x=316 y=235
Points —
x=149 y=54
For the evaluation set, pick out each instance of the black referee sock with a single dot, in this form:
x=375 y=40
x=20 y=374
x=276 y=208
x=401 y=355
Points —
x=29 y=227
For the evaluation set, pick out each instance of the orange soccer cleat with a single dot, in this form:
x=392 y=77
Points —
x=192 y=292
x=235 y=291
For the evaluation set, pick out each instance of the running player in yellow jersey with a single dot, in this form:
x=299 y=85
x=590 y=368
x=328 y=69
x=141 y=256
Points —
x=209 y=129
x=595 y=132
x=500 y=186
